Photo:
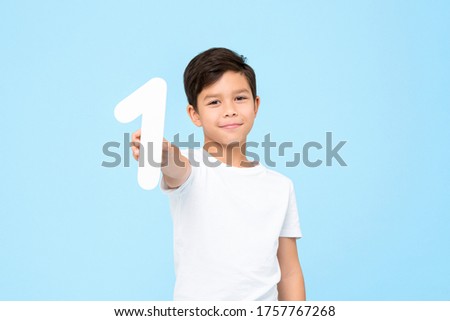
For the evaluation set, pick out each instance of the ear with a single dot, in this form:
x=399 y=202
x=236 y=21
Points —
x=194 y=116
x=257 y=102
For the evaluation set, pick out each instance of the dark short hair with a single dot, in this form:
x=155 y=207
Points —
x=208 y=67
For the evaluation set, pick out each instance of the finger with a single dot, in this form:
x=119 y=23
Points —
x=136 y=136
x=135 y=144
x=135 y=152
x=166 y=144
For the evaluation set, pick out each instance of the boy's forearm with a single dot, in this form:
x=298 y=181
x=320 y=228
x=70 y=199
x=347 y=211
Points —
x=292 y=288
x=175 y=167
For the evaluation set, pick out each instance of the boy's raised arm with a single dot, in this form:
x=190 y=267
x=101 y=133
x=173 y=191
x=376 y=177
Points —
x=174 y=166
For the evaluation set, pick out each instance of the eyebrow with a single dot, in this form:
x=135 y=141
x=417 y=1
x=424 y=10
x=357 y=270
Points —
x=239 y=91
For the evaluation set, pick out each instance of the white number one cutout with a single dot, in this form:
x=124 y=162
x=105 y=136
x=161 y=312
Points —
x=150 y=102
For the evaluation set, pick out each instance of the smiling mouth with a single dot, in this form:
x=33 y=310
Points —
x=230 y=126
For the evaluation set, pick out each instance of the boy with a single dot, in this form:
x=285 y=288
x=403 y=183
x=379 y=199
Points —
x=235 y=221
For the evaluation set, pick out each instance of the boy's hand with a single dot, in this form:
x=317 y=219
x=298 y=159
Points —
x=136 y=146
x=174 y=166
x=136 y=143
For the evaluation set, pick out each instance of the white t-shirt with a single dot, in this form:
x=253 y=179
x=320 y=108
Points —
x=227 y=221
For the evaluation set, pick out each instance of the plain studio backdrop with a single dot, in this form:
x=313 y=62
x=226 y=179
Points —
x=374 y=73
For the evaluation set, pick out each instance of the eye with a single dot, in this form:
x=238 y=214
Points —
x=214 y=102
x=241 y=98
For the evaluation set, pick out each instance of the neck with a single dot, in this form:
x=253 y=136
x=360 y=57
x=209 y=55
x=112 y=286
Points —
x=232 y=154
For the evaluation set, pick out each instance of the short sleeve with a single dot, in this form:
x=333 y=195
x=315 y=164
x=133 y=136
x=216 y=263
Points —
x=291 y=224
x=167 y=190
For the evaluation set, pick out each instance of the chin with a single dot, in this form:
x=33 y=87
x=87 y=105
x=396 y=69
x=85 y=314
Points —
x=227 y=139
x=233 y=142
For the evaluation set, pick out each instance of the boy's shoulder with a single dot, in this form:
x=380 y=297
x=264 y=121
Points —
x=280 y=179
x=279 y=175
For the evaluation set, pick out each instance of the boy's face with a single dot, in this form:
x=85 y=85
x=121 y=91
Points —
x=226 y=110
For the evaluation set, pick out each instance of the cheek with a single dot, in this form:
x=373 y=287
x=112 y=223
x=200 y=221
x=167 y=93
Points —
x=250 y=114
x=212 y=117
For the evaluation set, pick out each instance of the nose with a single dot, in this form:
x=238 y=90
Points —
x=229 y=110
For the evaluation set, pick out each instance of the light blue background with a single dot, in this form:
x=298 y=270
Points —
x=375 y=73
